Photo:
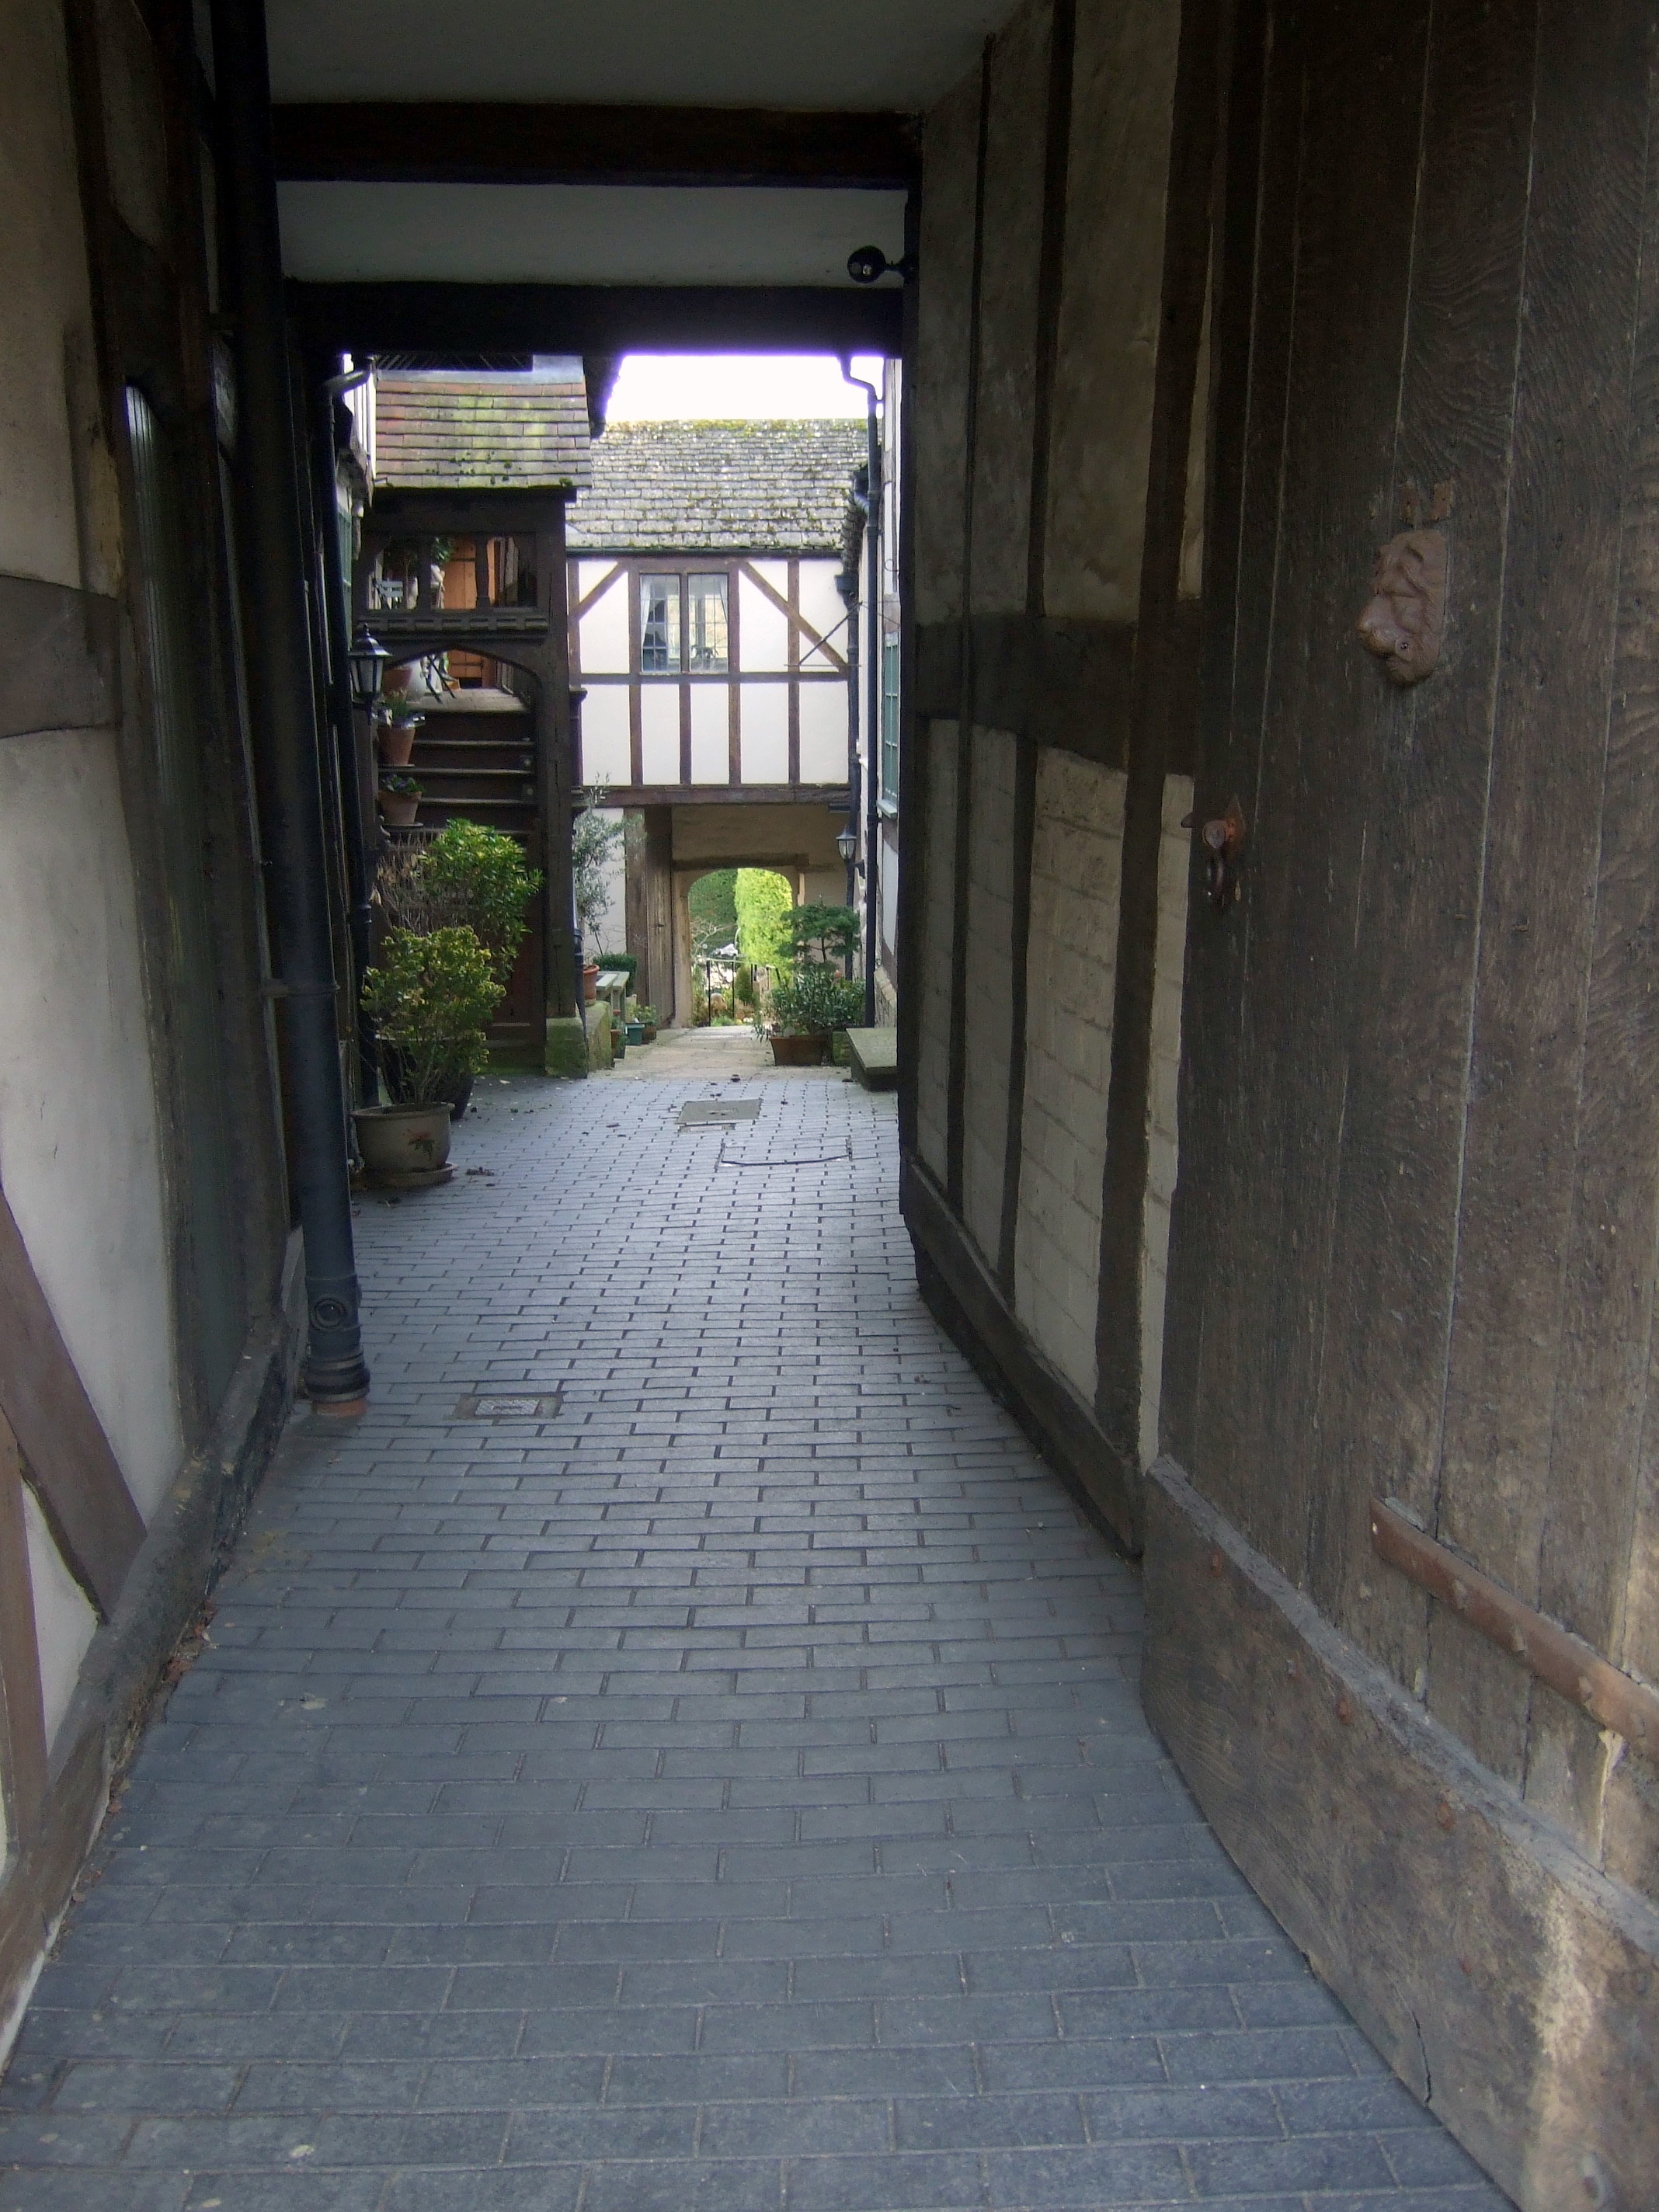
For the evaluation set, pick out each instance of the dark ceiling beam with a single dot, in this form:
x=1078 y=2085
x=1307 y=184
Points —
x=489 y=143
x=422 y=316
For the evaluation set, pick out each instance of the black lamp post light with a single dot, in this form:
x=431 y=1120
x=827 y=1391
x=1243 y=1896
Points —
x=369 y=659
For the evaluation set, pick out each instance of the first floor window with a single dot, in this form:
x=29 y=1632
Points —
x=705 y=622
x=660 y=624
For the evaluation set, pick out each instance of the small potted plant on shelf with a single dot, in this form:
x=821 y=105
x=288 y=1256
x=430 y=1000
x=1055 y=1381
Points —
x=400 y=801
x=808 y=1006
x=400 y=718
x=431 y=999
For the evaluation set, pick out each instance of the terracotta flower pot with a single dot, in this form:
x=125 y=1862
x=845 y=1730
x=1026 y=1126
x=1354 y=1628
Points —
x=399 y=809
x=799 y=1051
x=396 y=743
x=650 y=1029
x=591 y=981
x=403 y=1140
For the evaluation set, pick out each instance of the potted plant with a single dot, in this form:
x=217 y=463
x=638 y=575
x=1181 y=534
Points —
x=400 y=801
x=466 y=875
x=431 y=999
x=399 y=720
x=808 y=1006
x=647 y=1019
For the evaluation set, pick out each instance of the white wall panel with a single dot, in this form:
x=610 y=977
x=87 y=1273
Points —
x=602 y=632
x=823 y=732
x=762 y=628
x=823 y=606
x=711 y=732
x=605 y=734
x=80 y=1153
x=64 y=1622
x=765 y=732
x=1077 y=865
x=659 y=732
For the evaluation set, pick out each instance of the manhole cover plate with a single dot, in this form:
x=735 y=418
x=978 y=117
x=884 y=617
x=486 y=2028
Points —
x=702 y=1113
x=508 y=1406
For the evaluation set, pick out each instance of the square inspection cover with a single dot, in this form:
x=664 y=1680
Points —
x=706 y=1112
x=509 y=1405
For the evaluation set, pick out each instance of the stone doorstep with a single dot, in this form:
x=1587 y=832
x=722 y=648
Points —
x=875 y=1057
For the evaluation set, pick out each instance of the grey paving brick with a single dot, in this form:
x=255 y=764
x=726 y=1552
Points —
x=731 y=1794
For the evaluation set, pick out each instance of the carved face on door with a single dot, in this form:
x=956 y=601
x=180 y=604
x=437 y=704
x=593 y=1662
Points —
x=1404 y=617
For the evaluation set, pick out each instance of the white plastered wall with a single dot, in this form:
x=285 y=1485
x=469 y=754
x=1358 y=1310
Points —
x=933 y=981
x=988 y=998
x=1173 y=861
x=80 y=1152
x=1077 y=868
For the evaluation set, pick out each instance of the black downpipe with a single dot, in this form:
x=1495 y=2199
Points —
x=847 y=583
x=342 y=711
x=287 y=750
x=872 y=685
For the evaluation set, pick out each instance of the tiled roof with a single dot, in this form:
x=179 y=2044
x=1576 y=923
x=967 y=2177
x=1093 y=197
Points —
x=495 y=433
x=717 y=487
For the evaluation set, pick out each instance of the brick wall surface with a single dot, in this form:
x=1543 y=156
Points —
x=1173 y=863
x=1076 y=869
x=936 y=856
x=989 y=1000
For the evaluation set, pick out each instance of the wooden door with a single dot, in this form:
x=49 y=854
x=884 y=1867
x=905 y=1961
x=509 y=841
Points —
x=1412 y=1239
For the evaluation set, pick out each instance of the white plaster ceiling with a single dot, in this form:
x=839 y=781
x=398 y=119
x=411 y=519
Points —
x=898 y=54
x=583 y=233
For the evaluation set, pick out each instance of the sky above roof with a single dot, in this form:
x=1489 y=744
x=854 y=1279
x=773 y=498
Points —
x=737 y=387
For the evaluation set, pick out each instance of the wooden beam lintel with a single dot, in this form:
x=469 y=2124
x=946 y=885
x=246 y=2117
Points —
x=523 y=143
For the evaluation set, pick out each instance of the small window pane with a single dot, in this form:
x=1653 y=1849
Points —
x=660 y=624
x=889 y=719
x=706 y=622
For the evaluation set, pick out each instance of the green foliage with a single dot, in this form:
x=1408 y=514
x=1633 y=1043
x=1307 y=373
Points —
x=823 y=932
x=713 y=902
x=403 y=786
x=477 y=878
x=594 y=837
x=401 y=706
x=764 y=902
x=812 y=1001
x=431 y=999
x=623 y=963
x=648 y=1015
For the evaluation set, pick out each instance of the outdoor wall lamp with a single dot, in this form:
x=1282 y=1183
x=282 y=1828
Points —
x=847 y=844
x=866 y=263
x=368 y=658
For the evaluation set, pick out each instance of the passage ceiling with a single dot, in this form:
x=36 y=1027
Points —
x=841 y=54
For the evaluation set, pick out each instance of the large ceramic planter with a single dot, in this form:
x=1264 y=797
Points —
x=399 y=809
x=799 y=1051
x=397 y=742
x=403 y=1140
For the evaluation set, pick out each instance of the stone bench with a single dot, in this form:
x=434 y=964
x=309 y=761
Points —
x=875 y=1057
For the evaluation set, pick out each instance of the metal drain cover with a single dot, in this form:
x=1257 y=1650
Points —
x=505 y=1406
x=704 y=1113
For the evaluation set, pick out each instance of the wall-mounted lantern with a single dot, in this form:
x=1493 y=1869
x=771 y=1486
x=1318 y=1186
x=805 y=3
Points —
x=368 y=658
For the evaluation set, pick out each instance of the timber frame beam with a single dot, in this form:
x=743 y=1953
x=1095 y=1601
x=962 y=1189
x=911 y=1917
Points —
x=431 y=315
x=514 y=143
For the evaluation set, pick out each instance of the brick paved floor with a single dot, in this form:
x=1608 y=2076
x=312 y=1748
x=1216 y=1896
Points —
x=729 y=1792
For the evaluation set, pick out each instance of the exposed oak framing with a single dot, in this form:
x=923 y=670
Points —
x=508 y=142
x=806 y=644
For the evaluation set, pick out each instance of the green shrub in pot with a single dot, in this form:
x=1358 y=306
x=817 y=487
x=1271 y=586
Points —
x=467 y=876
x=814 y=1000
x=431 y=999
